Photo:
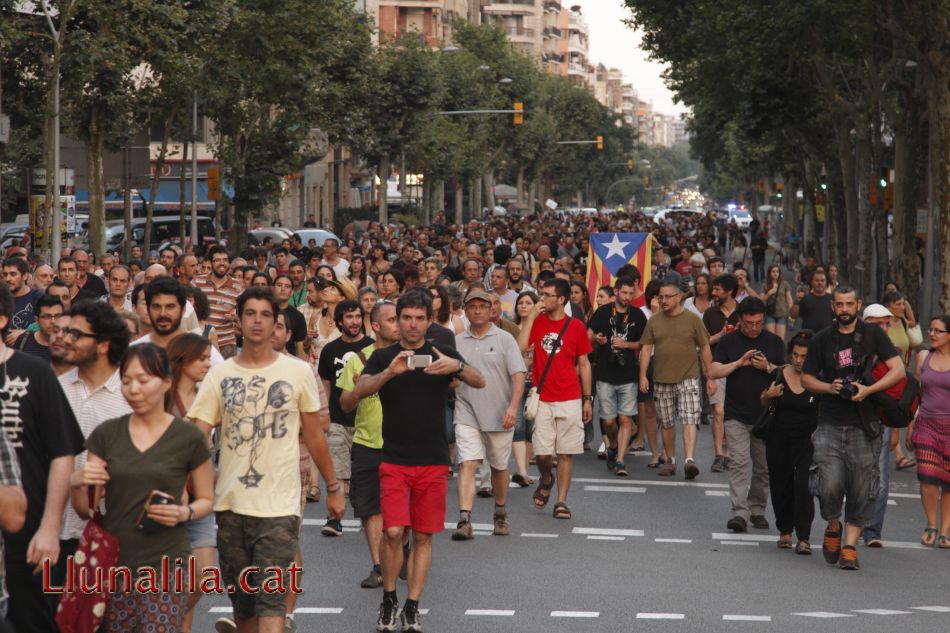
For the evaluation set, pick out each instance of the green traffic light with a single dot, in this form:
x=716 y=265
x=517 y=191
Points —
x=824 y=186
x=883 y=183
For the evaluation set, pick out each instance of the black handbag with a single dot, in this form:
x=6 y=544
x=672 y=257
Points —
x=766 y=421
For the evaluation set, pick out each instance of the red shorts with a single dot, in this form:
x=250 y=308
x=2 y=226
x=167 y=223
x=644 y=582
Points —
x=413 y=496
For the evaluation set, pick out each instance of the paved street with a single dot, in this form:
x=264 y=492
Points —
x=642 y=553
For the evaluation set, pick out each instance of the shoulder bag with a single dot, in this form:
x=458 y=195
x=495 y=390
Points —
x=766 y=421
x=533 y=399
x=82 y=611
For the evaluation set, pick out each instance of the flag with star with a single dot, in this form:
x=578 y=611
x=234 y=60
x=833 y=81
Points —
x=611 y=251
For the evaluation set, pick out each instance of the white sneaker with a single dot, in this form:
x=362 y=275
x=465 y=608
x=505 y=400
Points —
x=225 y=625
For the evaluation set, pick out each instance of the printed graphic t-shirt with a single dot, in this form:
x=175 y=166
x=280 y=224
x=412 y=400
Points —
x=259 y=413
x=562 y=383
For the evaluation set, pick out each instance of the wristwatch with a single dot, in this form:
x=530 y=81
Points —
x=588 y=398
x=461 y=367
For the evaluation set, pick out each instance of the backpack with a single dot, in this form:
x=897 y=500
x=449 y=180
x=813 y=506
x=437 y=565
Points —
x=897 y=406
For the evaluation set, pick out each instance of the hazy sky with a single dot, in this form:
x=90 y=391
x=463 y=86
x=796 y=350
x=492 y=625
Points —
x=615 y=45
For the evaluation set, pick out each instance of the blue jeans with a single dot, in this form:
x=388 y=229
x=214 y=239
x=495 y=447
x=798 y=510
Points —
x=876 y=526
x=523 y=428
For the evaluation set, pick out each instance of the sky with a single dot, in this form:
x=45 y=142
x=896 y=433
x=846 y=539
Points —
x=616 y=45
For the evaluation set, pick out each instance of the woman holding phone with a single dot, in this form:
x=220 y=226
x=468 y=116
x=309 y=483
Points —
x=143 y=460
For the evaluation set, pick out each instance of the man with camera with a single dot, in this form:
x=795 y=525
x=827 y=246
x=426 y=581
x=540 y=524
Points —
x=848 y=439
x=615 y=330
x=747 y=359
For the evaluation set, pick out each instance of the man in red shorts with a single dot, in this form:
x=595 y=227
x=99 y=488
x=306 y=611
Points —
x=413 y=379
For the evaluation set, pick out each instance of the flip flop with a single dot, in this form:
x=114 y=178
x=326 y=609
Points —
x=906 y=462
x=521 y=480
x=943 y=541
x=928 y=539
x=542 y=493
x=561 y=511
x=659 y=462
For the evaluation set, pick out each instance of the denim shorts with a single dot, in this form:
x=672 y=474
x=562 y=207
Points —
x=776 y=320
x=617 y=399
x=845 y=473
x=201 y=532
x=523 y=428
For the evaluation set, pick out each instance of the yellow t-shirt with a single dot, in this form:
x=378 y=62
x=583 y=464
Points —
x=259 y=413
x=369 y=412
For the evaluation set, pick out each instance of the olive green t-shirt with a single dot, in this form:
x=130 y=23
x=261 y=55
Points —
x=134 y=474
x=674 y=340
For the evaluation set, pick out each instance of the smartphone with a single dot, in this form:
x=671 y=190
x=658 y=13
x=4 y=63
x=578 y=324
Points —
x=146 y=524
x=419 y=361
x=758 y=354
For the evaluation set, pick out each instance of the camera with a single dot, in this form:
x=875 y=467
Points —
x=848 y=388
x=617 y=358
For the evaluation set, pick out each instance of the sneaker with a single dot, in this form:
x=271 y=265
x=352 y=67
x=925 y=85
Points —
x=668 y=469
x=373 y=581
x=313 y=495
x=611 y=458
x=411 y=621
x=690 y=469
x=333 y=527
x=849 y=558
x=502 y=528
x=463 y=532
x=831 y=546
x=727 y=462
x=874 y=541
x=718 y=465
x=620 y=470
x=736 y=524
x=759 y=522
x=389 y=613
x=290 y=625
x=225 y=625
x=602 y=451
x=485 y=492
x=404 y=570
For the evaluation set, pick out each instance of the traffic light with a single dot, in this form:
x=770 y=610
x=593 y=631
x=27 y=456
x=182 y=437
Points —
x=884 y=177
x=630 y=166
x=600 y=143
x=518 y=116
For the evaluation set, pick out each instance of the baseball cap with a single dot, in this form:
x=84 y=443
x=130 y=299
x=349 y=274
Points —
x=876 y=310
x=477 y=294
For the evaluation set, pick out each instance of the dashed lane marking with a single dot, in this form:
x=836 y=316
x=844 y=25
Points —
x=731 y=536
x=575 y=614
x=746 y=543
x=824 y=614
x=302 y=610
x=747 y=618
x=606 y=531
x=934 y=609
x=538 y=535
x=661 y=616
x=595 y=537
x=673 y=540
x=482 y=532
x=882 y=612
x=904 y=545
x=648 y=482
x=717 y=493
x=480 y=527
x=614 y=489
x=504 y=613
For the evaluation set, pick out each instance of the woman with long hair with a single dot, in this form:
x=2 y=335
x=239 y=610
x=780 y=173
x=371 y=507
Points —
x=701 y=299
x=788 y=448
x=358 y=273
x=190 y=358
x=521 y=443
x=929 y=433
x=605 y=294
x=390 y=284
x=143 y=460
x=323 y=322
x=580 y=297
x=378 y=264
x=442 y=310
x=777 y=295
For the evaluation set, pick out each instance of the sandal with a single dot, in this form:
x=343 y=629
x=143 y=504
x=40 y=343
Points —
x=656 y=464
x=521 y=480
x=803 y=548
x=785 y=541
x=906 y=462
x=542 y=493
x=561 y=511
x=929 y=537
x=943 y=541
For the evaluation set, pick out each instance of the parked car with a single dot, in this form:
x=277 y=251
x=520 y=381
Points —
x=164 y=227
x=319 y=236
x=277 y=233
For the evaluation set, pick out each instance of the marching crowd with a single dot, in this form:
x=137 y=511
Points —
x=186 y=405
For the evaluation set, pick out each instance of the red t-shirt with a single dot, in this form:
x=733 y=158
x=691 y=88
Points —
x=562 y=382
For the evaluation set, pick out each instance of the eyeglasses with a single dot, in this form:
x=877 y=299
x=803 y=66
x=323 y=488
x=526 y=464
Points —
x=47 y=317
x=668 y=297
x=77 y=334
x=936 y=331
x=548 y=295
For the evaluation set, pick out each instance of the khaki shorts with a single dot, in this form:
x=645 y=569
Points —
x=559 y=428
x=306 y=480
x=720 y=396
x=340 y=445
x=472 y=444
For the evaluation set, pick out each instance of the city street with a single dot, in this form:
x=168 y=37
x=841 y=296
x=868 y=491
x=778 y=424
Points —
x=642 y=553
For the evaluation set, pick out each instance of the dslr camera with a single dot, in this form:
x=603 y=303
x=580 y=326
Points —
x=848 y=388
x=617 y=358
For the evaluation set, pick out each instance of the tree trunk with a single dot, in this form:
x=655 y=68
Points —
x=403 y=186
x=475 y=206
x=459 y=193
x=489 y=181
x=907 y=178
x=849 y=179
x=97 y=211
x=153 y=191
x=519 y=186
x=861 y=244
x=938 y=115
x=383 y=200
x=426 y=200
x=182 y=223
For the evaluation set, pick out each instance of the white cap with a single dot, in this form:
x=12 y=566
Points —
x=875 y=311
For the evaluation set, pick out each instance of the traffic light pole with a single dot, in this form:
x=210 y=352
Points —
x=455 y=112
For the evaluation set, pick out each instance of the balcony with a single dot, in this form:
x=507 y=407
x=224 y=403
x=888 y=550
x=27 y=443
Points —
x=551 y=32
x=519 y=33
x=509 y=7
x=579 y=70
x=553 y=6
x=412 y=4
x=577 y=45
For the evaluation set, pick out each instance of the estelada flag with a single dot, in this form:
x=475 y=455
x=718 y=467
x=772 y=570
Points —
x=611 y=251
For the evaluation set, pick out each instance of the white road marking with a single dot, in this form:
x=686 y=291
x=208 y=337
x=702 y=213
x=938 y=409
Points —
x=746 y=543
x=607 y=531
x=905 y=545
x=482 y=533
x=661 y=616
x=824 y=614
x=481 y=527
x=649 y=482
x=904 y=495
x=606 y=538
x=673 y=540
x=891 y=502
x=747 y=618
x=882 y=612
x=347 y=523
x=614 y=489
x=730 y=536
x=538 y=535
x=575 y=614
x=318 y=610
x=935 y=609
x=491 y=612
x=717 y=493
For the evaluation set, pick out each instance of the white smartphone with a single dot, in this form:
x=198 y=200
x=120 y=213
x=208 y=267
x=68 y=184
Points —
x=419 y=361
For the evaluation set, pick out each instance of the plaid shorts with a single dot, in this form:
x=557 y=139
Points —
x=682 y=400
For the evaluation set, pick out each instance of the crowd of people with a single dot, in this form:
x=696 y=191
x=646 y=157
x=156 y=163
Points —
x=195 y=400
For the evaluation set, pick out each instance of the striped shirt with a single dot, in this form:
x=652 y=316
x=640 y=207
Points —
x=222 y=297
x=91 y=410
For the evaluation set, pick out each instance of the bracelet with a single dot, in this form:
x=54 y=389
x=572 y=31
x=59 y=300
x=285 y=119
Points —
x=336 y=487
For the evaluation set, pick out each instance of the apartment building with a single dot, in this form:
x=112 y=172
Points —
x=429 y=21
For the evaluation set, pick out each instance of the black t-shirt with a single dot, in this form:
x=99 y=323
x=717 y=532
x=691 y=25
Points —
x=333 y=359
x=715 y=321
x=94 y=286
x=834 y=355
x=298 y=327
x=628 y=325
x=37 y=418
x=413 y=409
x=796 y=414
x=28 y=344
x=440 y=335
x=23 y=310
x=815 y=312
x=746 y=384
